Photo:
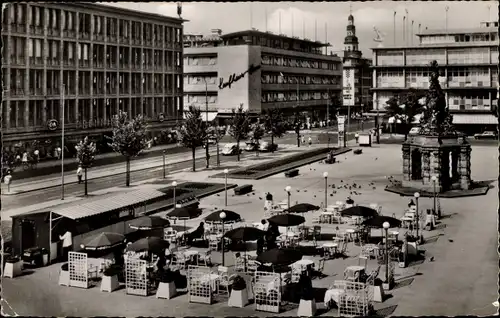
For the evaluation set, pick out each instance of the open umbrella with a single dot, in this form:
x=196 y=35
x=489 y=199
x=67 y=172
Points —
x=230 y=217
x=302 y=208
x=287 y=220
x=184 y=213
x=245 y=234
x=278 y=256
x=359 y=210
x=102 y=241
x=150 y=244
x=149 y=223
x=379 y=220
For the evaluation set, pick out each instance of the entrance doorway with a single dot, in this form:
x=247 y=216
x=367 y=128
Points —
x=28 y=235
x=416 y=165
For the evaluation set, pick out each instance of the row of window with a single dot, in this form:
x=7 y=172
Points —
x=455 y=102
x=200 y=60
x=193 y=80
x=56 y=20
x=423 y=57
x=271 y=97
x=275 y=43
x=294 y=79
x=114 y=83
x=31 y=113
x=199 y=99
x=298 y=62
x=482 y=37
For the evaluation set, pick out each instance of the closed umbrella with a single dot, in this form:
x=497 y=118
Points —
x=102 y=241
x=149 y=223
x=279 y=256
x=230 y=217
x=379 y=220
x=302 y=208
x=359 y=210
x=150 y=244
x=287 y=220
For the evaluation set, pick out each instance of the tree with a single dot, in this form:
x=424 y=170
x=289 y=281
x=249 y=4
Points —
x=274 y=123
x=192 y=134
x=213 y=132
x=334 y=105
x=129 y=138
x=412 y=107
x=239 y=127
x=297 y=122
x=85 y=153
x=393 y=109
x=257 y=133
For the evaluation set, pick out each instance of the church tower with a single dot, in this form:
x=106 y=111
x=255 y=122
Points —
x=351 y=44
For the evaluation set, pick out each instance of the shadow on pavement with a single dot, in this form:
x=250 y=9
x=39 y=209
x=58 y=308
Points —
x=403 y=283
x=384 y=312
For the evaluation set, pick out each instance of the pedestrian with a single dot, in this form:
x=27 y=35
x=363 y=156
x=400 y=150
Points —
x=25 y=157
x=310 y=141
x=36 y=153
x=79 y=173
x=303 y=140
x=269 y=201
x=67 y=239
x=7 y=179
x=430 y=220
x=356 y=136
x=59 y=151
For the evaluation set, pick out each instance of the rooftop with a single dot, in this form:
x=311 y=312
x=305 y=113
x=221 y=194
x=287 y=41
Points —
x=438 y=45
x=316 y=44
x=458 y=31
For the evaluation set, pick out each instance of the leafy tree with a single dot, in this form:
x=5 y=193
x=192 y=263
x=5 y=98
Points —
x=85 y=153
x=257 y=133
x=239 y=127
x=412 y=107
x=334 y=106
x=192 y=134
x=393 y=109
x=214 y=133
x=129 y=138
x=274 y=123
x=297 y=122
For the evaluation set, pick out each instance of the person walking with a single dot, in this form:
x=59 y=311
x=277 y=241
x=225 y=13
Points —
x=310 y=141
x=269 y=201
x=36 y=153
x=303 y=140
x=24 y=160
x=79 y=173
x=7 y=179
x=67 y=239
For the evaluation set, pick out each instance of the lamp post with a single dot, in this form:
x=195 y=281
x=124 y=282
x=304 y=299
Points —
x=325 y=175
x=386 y=226
x=164 y=173
x=288 y=189
x=62 y=143
x=206 y=113
x=222 y=216
x=417 y=195
x=225 y=185
x=434 y=180
x=174 y=184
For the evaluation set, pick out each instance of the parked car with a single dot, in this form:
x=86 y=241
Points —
x=486 y=135
x=266 y=146
x=211 y=141
x=230 y=150
x=251 y=146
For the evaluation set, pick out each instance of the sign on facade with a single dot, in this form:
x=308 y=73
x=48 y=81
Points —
x=52 y=124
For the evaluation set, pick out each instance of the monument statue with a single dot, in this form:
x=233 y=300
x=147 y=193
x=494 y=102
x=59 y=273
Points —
x=436 y=120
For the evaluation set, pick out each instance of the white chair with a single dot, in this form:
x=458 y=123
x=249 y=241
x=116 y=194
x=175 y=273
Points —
x=205 y=259
x=213 y=243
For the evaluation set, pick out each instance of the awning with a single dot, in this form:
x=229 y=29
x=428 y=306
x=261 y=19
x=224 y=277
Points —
x=475 y=119
x=107 y=204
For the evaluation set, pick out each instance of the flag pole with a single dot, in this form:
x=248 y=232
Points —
x=394 y=28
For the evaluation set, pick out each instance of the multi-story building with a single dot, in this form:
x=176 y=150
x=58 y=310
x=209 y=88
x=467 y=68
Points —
x=357 y=75
x=259 y=70
x=468 y=60
x=102 y=59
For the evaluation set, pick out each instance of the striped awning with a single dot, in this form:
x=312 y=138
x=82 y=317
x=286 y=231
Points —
x=476 y=119
x=107 y=204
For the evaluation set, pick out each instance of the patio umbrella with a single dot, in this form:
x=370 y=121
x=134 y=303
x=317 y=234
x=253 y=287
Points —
x=102 y=241
x=230 y=217
x=150 y=244
x=245 y=234
x=278 y=256
x=359 y=210
x=378 y=221
x=287 y=220
x=184 y=214
x=149 y=223
x=302 y=208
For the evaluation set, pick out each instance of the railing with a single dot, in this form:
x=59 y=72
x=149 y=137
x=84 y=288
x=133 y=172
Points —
x=95 y=123
x=18 y=28
x=112 y=38
x=148 y=43
x=38 y=30
x=99 y=37
x=17 y=60
x=98 y=64
x=158 y=67
x=70 y=62
x=84 y=63
x=69 y=33
x=84 y=35
x=124 y=65
x=53 y=32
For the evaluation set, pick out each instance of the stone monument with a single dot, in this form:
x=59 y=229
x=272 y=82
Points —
x=438 y=150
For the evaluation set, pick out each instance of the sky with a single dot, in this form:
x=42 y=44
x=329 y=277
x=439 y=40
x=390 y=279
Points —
x=237 y=16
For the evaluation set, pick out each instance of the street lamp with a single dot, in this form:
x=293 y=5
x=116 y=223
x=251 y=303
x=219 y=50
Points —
x=225 y=185
x=164 y=173
x=386 y=226
x=174 y=184
x=417 y=195
x=434 y=180
x=288 y=189
x=325 y=175
x=222 y=216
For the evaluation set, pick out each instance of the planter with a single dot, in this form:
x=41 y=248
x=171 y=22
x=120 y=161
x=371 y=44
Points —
x=13 y=269
x=307 y=308
x=166 y=290
x=378 y=293
x=387 y=286
x=238 y=298
x=64 y=278
x=109 y=283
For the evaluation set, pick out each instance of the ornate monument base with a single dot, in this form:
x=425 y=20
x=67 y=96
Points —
x=446 y=157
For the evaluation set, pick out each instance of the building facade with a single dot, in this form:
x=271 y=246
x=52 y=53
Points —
x=468 y=61
x=357 y=75
x=259 y=70
x=95 y=60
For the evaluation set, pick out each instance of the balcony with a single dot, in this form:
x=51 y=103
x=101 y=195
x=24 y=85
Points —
x=136 y=67
x=84 y=90
x=53 y=32
x=84 y=35
x=124 y=91
x=123 y=40
x=112 y=38
x=18 y=28
x=158 y=43
x=111 y=65
x=53 y=61
x=200 y=87
x=98 y=64
x=158 y=67
x=124 y=65
x=69 y=62
x=111 y=90
x=38 y=30
x=69 y=34
x=98 y=90
x=17 y=60
x=197 y=69
x=38 y=61
x=99 y=37
x=136 y=41
x=36 y=91
x=148 y=42
x=158 y=91
x=84 y=63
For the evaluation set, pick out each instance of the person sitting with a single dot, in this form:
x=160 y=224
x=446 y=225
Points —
x=411 y=203
x=196 y=234
x=264 y=225
x=430 y=220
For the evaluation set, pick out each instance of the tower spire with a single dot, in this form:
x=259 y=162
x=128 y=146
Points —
x=350 y=8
